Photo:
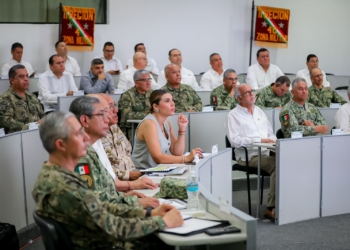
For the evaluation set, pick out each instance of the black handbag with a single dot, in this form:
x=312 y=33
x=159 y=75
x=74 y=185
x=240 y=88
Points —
x=8 y=237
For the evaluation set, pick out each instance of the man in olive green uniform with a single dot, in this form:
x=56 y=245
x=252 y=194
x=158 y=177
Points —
x=18 y=107
x=299 y=115
x=223 y=96
x=185 y=98
x=134 y=103
x=61 y=192
x=321 y=96
x=276 y=95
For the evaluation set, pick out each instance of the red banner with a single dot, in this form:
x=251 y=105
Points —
x=77 y=27
x=271 y=25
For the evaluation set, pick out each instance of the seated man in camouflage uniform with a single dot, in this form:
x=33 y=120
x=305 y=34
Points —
x=18 y=107
x=276 y=95
x=319 y=95
x=299 y=115
x=223 y=97
x=134 y=103
x=184 y=96
x=61 y=192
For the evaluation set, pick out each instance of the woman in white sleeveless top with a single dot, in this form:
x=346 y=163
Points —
x=155 y=140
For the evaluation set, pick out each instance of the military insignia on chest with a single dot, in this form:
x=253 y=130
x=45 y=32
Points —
x=83 y=169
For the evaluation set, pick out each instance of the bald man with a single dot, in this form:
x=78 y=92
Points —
x=126 y=80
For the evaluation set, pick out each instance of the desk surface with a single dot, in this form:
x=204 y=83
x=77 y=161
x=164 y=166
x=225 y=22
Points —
x=265 y=145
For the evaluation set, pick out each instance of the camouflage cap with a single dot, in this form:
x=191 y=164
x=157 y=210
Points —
x=172 y=188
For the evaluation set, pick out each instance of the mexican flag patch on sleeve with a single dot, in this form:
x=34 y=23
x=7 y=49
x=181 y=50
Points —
x=82 y=169
x=285 y=119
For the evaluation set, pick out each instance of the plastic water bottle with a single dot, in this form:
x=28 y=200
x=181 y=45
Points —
x=192 y=192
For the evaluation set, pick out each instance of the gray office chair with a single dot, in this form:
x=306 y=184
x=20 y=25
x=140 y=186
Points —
x=55 y=236
x=342 y=88
x=248 y=170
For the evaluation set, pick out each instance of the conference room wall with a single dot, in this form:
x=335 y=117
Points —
x=198 y=28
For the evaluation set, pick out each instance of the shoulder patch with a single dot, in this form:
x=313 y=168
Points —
x=285 y=119
x=82 y=169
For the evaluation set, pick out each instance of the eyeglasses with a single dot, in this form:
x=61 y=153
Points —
x=143 y=58
x=104 y=114
x=249 y=92
x=112 y=106
x=144 y=80
x=312 y=61
x=109 y=51
x=231 y=79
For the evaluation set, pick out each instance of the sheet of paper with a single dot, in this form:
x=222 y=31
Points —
x=192 y=225
x=174 y=203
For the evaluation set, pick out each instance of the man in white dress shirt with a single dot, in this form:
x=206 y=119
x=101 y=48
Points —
x=55 y=82
x=214 y=77
x=151 y=64
x=112 y=64
x=248 y=124
x=342 y=117
x=70 y=64
x=263 y=73
x=17 y=52
x=311 y=63
x=126 y=80
x=187 y=75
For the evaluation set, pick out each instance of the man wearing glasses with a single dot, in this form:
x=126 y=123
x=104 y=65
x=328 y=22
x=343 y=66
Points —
x=248 y=124
x=126 y=80
x=134 y=103
x=96 y=80
x=223 y=97
x=311 y=63
x=112 y=64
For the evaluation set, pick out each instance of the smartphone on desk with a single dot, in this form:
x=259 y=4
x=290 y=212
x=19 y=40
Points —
x=222 y=230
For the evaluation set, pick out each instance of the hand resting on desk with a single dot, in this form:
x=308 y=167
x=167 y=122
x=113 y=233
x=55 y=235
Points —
x=267 y=141
x=144 y=183
x=171 y=216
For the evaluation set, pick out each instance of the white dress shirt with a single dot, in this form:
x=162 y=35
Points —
x=211 y=79
x=126 y=79
x=7 y=66
x=257 y=78
x=102 y=156
x=187 y=77
x=113 y=64
x=342 y=118
x=243 y=129
x=151 y=65
x=305 y=73
x=71 y=66
x=50 y=87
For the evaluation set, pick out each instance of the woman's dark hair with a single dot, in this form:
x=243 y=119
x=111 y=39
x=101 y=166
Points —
x=155 y=97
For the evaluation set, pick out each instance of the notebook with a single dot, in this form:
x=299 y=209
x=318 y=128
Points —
x=160 y=168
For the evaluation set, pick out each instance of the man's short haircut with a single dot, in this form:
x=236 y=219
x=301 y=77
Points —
x=211 y=56
x=107 y=44
x=261 y=50
x=311 y=75
x=58 y=42
x=96 y=61
x=13 y=71
x=282 y=80
x=135 y=48
x=53 y=127
x=138 y=73
x=51 y=58
x=228 y=71
x=171 y=51
x=16 y=45
x=308 y=58
x=83 y=105
x=296 y=81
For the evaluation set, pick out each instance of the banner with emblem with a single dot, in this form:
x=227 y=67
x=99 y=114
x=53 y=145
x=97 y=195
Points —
x=77 y=27
x=271 y=27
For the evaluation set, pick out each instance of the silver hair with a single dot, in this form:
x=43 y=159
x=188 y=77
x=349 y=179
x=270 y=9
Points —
x=53 y=127
x=83 y=105
x=238 y=87
x=228 y=71
x=296 y=81
x=138 y=73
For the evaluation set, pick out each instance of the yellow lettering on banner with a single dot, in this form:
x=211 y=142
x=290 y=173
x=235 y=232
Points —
x=68 y=39
x=77 y=32
x=81 y=41
x=91 y=16
x=262 y=37
x=274 y=14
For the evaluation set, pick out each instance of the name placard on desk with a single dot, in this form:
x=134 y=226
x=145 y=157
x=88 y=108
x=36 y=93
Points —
x=337 y=131
x=78 y=93
x=208 y=109
x=33 y=125
x=334 y=105
x=297 y=134
x=2 y=132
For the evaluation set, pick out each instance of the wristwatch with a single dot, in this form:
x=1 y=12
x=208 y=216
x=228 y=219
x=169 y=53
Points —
x=148 y=212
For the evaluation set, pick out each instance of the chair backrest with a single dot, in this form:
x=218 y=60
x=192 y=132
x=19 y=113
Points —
x=341 y=88
x=228 y=145
x=279 y=134
x=55 y=236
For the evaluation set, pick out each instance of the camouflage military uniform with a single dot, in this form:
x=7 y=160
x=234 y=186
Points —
x=185 y=98
x=118 y=150
x=223 y=100
x=16 y=112
x=266 y=98
x=133 y=106
x=293 y=115
x=322 y=98
x=65 y=197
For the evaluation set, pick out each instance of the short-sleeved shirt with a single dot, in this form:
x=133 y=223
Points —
x=293 y=115
x=323 y=98
x=223 y=100
x=266 y=98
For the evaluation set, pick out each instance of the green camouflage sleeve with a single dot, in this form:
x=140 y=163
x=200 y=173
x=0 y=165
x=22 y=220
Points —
x=313 y=99
x=338 y=99
x=319 y=120
x=124 y=105
x=197 y=102
x=6 y=118
x=289 y=124
x=260 y=100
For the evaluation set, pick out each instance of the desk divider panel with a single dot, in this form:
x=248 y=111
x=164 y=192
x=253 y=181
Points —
x=64 y=102
x=338 y=81
x=33 y=85
x=205 y=96
x=329 y=115
x=276 y=120
x=12 y=199
x=173 y=121
x=270 y=116
x=204 y=173
x=34 y=155
x=335 y=175
x=4 y=85
x=208 y=129
x=298 y=179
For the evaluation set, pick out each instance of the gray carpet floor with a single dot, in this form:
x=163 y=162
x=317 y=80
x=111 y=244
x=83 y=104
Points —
x=329 y=233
